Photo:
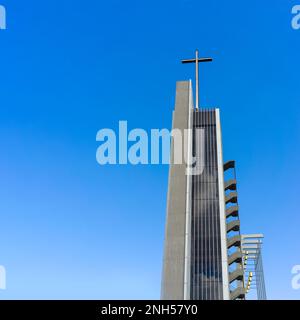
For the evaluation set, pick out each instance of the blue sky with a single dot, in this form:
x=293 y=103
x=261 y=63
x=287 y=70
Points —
x=70 y=228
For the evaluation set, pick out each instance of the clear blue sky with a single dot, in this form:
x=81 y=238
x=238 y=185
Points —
x=70 y=228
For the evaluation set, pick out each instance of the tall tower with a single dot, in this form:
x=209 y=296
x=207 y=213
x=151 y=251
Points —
x=203 y=256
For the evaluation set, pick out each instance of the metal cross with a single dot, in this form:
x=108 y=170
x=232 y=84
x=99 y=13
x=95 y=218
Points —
x=196 y=61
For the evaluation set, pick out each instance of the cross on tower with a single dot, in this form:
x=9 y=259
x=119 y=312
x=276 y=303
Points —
x=196 y=61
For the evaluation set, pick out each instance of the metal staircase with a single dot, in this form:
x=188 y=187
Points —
x=235 y=255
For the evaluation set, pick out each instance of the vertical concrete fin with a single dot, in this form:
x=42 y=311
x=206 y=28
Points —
x=226 y=295
x=173 y=276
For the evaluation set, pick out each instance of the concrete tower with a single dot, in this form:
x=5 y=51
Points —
x=204 y=255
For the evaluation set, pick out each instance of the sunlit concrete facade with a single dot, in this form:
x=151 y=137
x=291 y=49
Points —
x=195 y=262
